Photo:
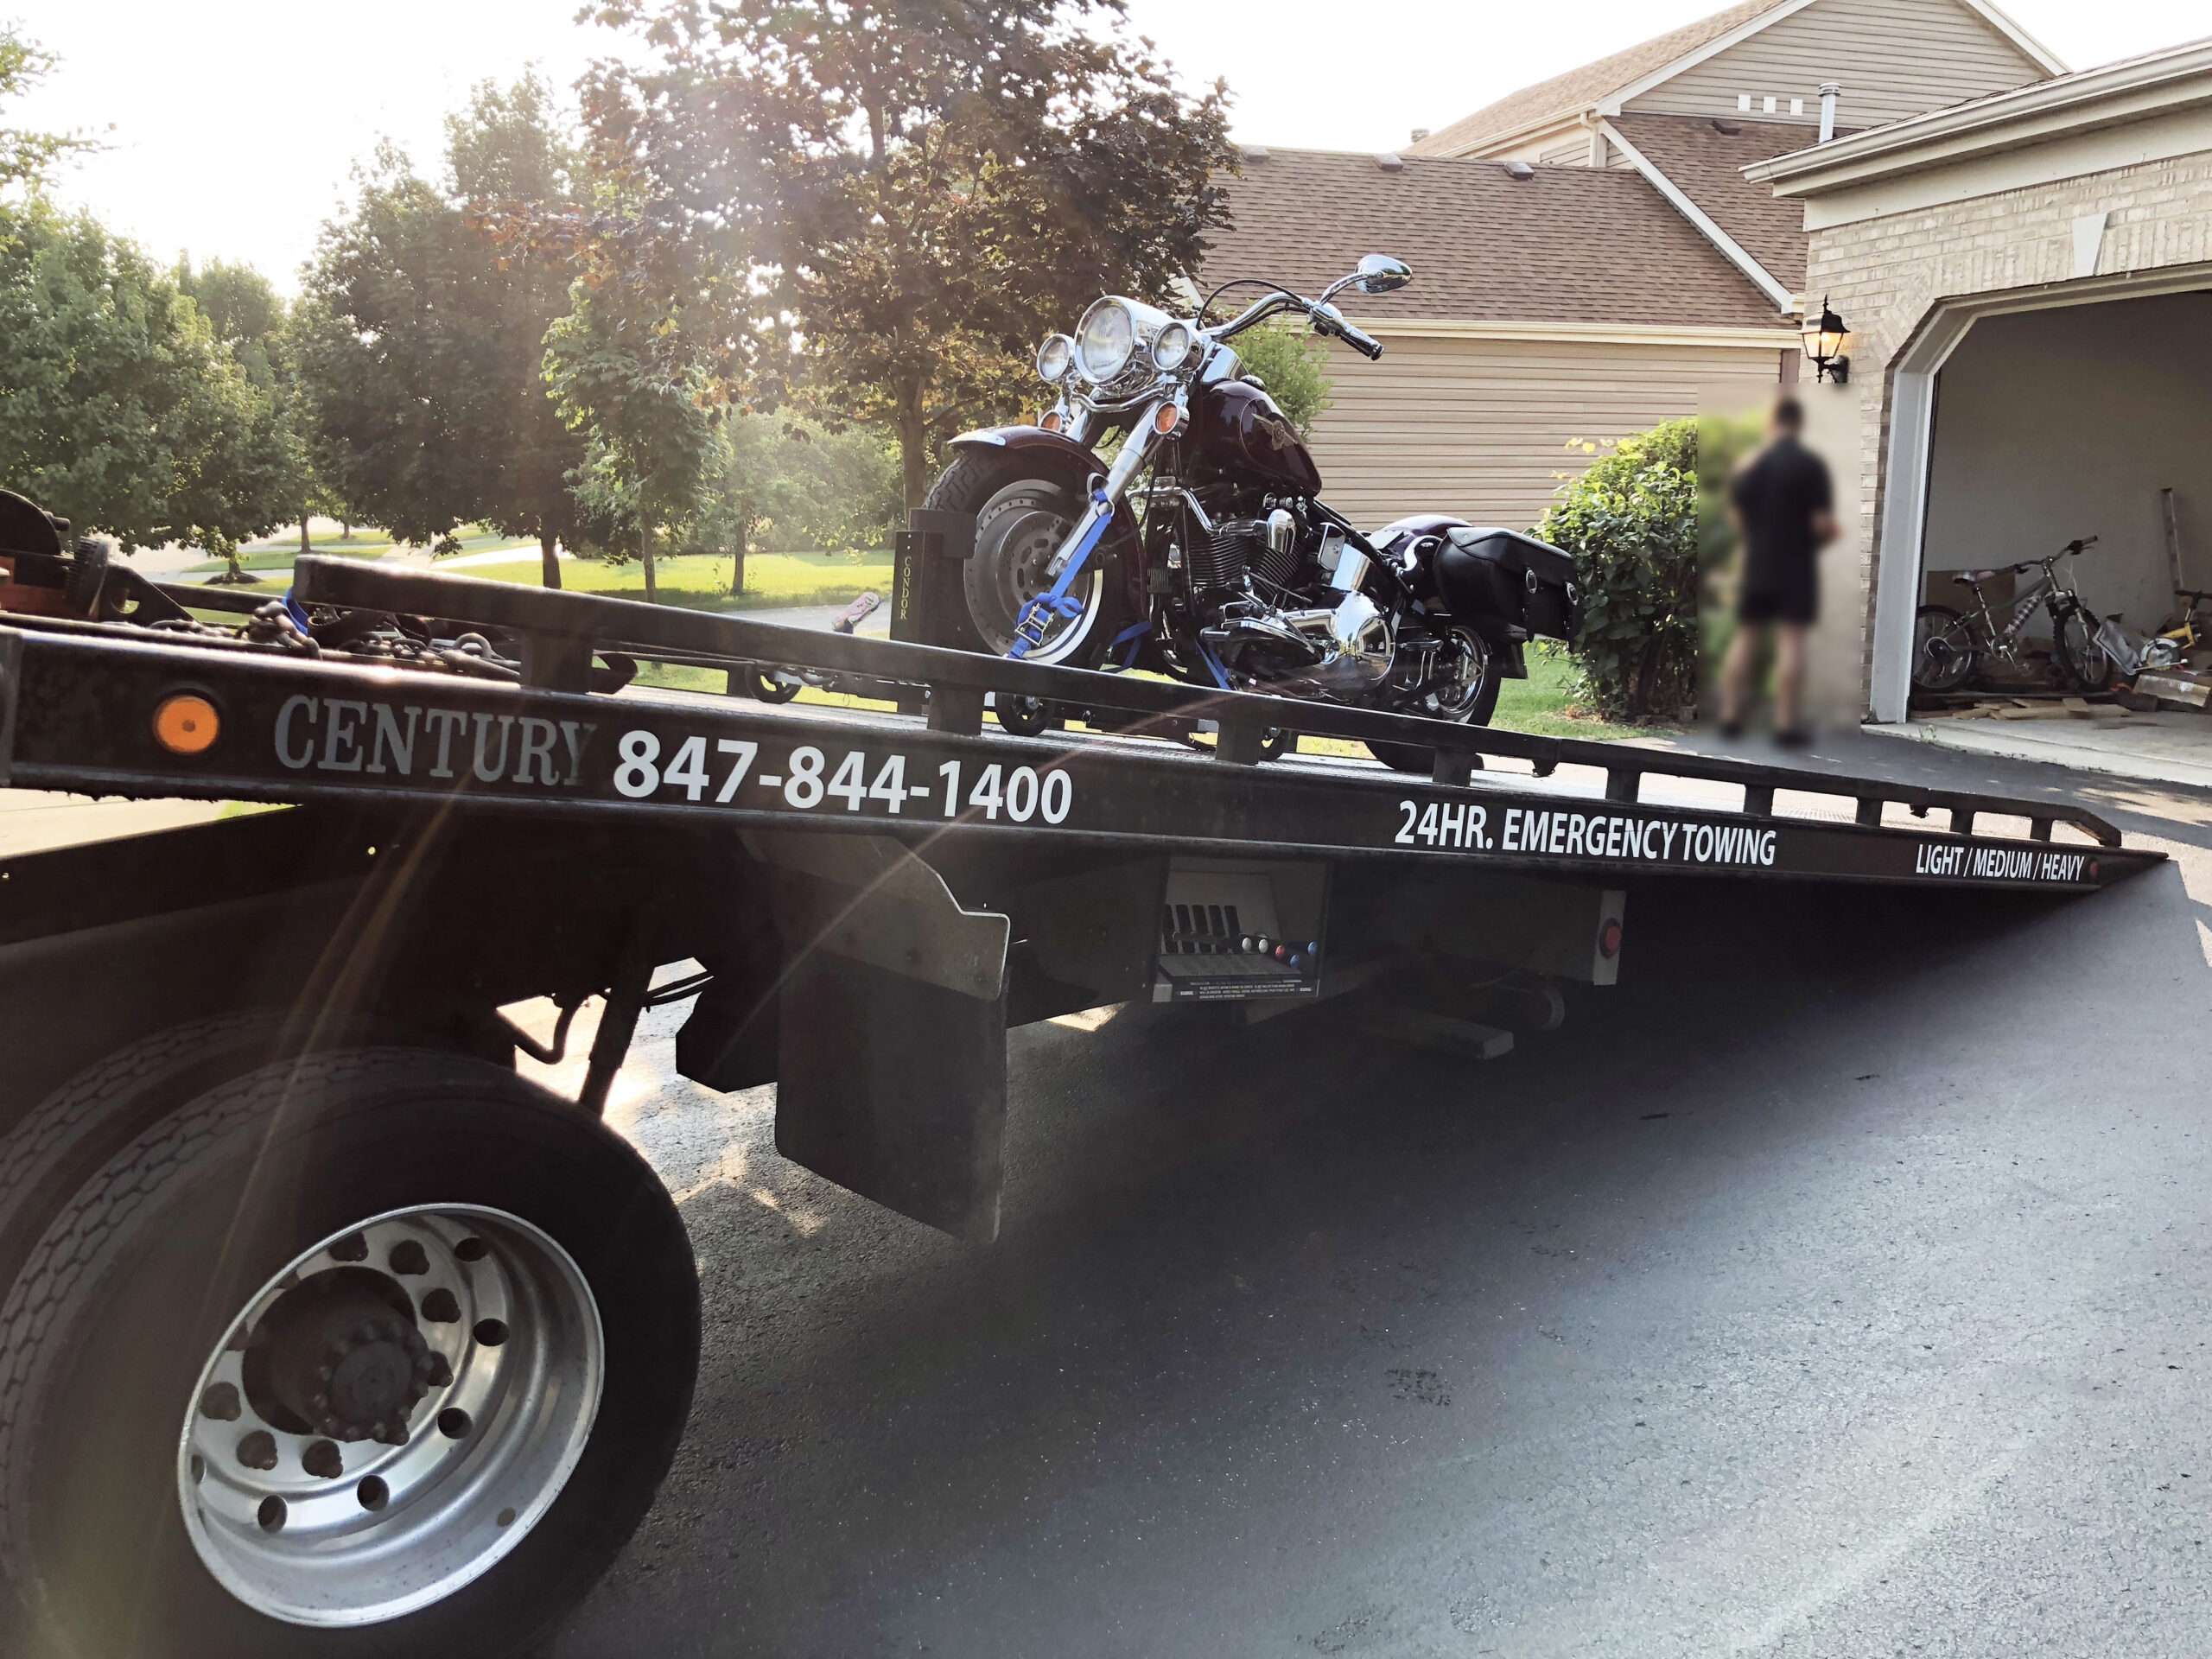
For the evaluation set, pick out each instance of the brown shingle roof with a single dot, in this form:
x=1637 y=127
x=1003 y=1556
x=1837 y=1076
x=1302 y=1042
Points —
x=1578 y=89
x=1702 y=156
x=1569 y=245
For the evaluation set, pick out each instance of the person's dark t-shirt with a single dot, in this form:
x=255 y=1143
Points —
x=1777 y=497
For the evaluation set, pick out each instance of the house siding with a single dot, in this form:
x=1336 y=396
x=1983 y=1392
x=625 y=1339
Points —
x=1888 y=275
x=1479 y=428
x=1895 y=58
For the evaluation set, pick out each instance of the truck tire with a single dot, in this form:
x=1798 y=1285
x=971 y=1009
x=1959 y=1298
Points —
x=60 y=1143
x=373 y=1352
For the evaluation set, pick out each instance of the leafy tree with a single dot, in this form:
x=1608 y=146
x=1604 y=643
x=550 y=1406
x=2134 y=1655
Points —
x=806 y=486
x=421 y=338
x=1291 y=362
x=1632 y=522
x=26 y=158
x=249 y=319
x=913 y=190
x=119 y=407
x=621 y=372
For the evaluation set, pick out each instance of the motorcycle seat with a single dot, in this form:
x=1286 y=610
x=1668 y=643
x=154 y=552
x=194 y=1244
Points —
x=1969 y=578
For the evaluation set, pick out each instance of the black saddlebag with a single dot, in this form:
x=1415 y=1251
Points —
x=1521 y=585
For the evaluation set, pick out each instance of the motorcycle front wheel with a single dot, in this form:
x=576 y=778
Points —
x=1467 y=697
x=1023 y=515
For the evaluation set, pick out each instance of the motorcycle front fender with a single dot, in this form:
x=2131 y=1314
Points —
x=1027 y=437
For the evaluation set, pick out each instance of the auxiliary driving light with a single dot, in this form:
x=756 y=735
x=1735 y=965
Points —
x=186 y=723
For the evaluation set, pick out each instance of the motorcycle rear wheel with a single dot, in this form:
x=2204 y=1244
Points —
x=1471 y=702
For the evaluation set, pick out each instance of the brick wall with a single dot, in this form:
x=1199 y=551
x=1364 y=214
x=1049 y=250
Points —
x=1886 y=276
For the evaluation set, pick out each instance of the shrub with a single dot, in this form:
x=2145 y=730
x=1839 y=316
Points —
x=1632 y=523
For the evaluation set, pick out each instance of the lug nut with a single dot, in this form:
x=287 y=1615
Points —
x=351 y=1247
x=408 y=1257
x=440 y=1376
x=220 y=1402
x=258 y=1451
x=440 y=1307
x=323 y=1460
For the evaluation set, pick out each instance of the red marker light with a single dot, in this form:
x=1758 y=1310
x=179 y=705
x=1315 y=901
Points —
x=1609 y=939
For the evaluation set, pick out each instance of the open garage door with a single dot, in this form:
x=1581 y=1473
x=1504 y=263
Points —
x=2034 y=428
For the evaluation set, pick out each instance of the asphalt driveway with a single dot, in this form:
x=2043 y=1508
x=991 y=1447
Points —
x=1838 y=1285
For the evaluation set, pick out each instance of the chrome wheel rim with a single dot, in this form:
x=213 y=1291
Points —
x=457 y=1396
x=1010 y=568
x=1455 y=699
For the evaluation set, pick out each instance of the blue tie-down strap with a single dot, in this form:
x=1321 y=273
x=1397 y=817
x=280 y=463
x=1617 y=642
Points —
x=1133 y=637
x=1029 y=630
x=299 y=611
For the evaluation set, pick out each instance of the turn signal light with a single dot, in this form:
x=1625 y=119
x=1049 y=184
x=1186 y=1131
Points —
x=1167 y=418
x=1051 y=422
x=186 y=723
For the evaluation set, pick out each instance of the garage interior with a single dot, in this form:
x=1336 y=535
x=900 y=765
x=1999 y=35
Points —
x=2076 y=421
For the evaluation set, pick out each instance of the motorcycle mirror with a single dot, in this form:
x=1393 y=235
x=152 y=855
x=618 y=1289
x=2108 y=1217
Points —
x=1379 y=273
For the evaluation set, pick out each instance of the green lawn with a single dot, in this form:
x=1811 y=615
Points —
x=702 y=582
x=1540 y=704
x=265 y=560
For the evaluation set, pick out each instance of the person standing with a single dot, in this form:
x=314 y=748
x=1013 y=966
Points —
x=1784 y=508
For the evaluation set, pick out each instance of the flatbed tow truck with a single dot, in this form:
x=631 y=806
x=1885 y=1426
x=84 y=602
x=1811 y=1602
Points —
x=324 y=1332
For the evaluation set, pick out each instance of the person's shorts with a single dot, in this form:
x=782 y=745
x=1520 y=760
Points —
x=1771 y=605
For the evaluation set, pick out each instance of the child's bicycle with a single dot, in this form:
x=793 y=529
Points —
x=1949 y=648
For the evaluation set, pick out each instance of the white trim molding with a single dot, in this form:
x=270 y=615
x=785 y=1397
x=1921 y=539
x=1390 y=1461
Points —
x=2160 y=84
x=1733 y=250
x=1604 y=333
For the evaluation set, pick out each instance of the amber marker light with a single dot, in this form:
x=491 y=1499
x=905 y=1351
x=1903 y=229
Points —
x=1167 y=418
x=186 y=723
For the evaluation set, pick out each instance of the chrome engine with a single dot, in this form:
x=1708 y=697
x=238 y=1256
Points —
x=1341 y=650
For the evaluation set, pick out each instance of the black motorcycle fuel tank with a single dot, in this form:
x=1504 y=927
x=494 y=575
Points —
x=1237 y=430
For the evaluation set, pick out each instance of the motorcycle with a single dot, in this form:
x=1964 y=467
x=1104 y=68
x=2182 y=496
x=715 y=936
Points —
x=1202 y=548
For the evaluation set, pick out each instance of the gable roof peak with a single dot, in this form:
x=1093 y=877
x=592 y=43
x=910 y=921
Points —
x=1579 y=89
x=1600 y=85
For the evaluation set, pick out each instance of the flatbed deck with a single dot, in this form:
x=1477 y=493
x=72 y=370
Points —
x=77 y=704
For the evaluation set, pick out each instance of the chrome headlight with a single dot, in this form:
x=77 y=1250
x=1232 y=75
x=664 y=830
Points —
x=1172 y=347
x=1054 y=358
x=1105 y=340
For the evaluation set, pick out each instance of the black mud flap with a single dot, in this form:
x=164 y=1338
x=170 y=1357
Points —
x=892 y=1029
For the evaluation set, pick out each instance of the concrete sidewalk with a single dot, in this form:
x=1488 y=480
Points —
x=2171 y=746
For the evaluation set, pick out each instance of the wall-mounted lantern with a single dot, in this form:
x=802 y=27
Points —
x=1827 y=342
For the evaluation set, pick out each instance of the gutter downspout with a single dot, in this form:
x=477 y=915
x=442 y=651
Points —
x=1761 y=278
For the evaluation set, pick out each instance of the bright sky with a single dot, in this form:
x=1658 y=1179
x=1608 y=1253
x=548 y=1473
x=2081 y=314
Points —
x=236 y=123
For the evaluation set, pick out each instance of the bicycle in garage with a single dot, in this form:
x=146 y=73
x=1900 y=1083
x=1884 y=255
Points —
x=1949 y=647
